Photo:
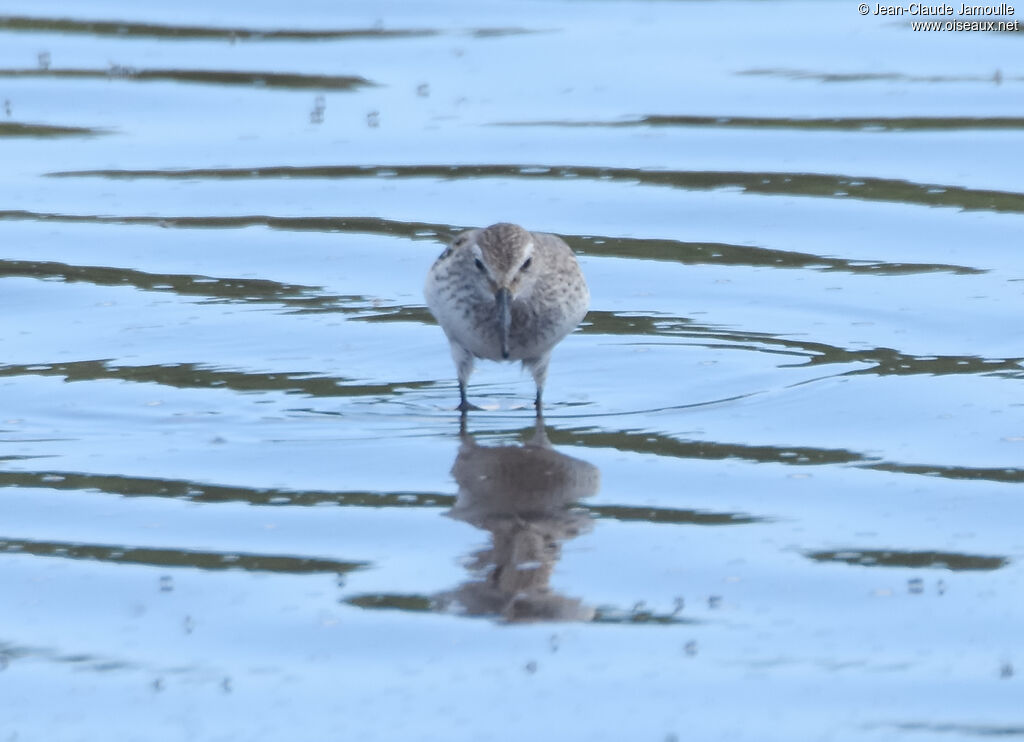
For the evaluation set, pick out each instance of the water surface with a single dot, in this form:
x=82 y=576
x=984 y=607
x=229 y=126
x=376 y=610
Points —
x=773 y=496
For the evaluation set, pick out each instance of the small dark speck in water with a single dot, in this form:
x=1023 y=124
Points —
x=690 y=648
x=714 y=601
x=158 y=684
x=531 y=667
x=166 y=583
x=677 y=606
x=225 y=685
x=188 y=624
x=44 y=60
x=7 y=107
x=915 y=586
x=553 y=642
x=1006 y=670
x=373 y=119
x=423 y=90
x=941 y=587
x=316 y=116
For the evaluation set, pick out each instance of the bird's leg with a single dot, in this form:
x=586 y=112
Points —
x=539 y=370
x=464 y=404
x=464 y=367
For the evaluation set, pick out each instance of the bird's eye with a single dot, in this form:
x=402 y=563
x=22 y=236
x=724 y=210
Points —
x=479 y=265
x=526 y=264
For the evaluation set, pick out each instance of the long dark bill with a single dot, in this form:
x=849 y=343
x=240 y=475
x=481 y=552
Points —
x=503 y=301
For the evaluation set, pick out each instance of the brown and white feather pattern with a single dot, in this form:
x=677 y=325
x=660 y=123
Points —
x=549 y=296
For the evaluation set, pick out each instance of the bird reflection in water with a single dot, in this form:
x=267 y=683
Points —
x=522 y=495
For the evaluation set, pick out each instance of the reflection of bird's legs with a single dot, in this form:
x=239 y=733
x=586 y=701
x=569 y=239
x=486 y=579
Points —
x=540 y=433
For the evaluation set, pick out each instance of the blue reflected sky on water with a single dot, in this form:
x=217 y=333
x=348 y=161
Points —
x=784 y=447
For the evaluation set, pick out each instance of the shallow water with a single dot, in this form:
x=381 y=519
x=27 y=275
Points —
x=773 y=498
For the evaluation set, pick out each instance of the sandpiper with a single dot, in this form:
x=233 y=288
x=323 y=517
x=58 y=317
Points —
x=505 y=294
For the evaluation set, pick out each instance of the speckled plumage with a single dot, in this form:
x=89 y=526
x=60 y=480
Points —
x=547 y=298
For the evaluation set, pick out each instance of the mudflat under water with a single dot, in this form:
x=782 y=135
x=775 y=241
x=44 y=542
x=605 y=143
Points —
x=777 y=492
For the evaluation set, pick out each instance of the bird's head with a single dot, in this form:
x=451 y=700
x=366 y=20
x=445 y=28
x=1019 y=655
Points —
x=503 y=257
